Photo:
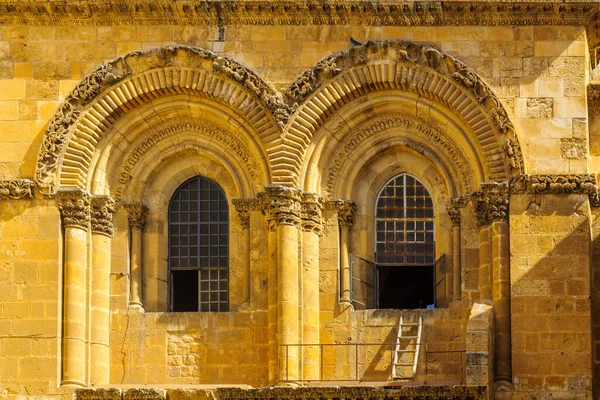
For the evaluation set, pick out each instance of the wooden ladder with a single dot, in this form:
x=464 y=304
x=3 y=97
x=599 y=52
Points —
x=406 y=354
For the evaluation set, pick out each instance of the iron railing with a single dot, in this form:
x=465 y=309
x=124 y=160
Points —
x=368 y=362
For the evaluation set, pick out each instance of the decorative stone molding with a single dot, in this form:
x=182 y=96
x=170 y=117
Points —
x=379 y=124
x=282 y=204
x=454 y=206
x=243 y=207
x=346 y=210
x=555 y=184
x=295 y=12
x=311 y=213
x=137 y=214
x=103 y=208
x=173 y=128
x=75 y=207
x=17 y=189
x=393 y=64
x=176 y=69
x=491 y=203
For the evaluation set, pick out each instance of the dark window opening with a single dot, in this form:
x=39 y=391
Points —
x=199 y=247
x=405 y=244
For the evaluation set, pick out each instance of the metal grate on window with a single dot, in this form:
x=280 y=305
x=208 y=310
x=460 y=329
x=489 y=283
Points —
x=199 y=241
x=404 y=223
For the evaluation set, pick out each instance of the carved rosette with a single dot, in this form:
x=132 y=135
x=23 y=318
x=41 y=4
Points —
x=491 y=203
x=243 y=207
x=137 y=214
x=75 y=208
x=282 y=204
x=18 y=189
x=312 y=212
x=103 y=208
x=346 y=210
x=454 y=206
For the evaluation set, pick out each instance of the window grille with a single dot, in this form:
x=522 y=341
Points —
x=199 y=247
x=404 y=223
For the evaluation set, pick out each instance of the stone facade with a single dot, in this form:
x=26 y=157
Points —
x=301 y=112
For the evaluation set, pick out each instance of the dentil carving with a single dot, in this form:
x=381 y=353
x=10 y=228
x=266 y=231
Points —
x=103 y=208
x=74 y=206
x=137 y=214
x=19 y=189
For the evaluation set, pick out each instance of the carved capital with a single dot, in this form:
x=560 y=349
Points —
x=346 y=210
x=103 y=208
x=18 y=189
x=454 y=206
x=281 y=204
x=491 y=203
x=75 y=207
x=137 y=213
x=311 y=212
x=243 y=207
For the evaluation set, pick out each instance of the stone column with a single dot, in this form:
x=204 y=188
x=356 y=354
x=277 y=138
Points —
x=346 y=217
x=137 y=214
x=243 y=207
x=454 y=211
x=497 y=199
x=74 y=206
x=485 y=250
x=284 y=209
x=312 y=228
x=103 y=208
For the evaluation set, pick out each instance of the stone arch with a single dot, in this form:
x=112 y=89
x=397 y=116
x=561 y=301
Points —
x=354 y=74
x=126 y=83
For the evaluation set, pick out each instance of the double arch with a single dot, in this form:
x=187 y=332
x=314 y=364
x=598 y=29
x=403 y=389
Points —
x=281 y=133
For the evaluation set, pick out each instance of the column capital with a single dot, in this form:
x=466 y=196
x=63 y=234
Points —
x=281 y=204
x=103 y=208
x=491 y=203
x=75 y=206
x=346 y=210
x=453 y=206
x=311 y=212
x=243 y=207
x=137 y=214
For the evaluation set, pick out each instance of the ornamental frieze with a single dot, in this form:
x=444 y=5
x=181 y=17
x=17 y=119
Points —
x=156 y=135
x=385 y=122
x=555 y=184
x=296 y=12
x=18 y=189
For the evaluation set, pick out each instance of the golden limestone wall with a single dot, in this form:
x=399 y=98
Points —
x=539 y=74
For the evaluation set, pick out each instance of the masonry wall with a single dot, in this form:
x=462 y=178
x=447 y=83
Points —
x=539 y=73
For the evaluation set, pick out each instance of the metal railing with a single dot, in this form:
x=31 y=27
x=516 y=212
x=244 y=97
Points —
x=367 y=362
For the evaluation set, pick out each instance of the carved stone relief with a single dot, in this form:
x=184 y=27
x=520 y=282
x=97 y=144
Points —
x=244 y=207
x=282 y=204
x=383 y=123
x=312 y=212
x=454 y=206
x=103 y=208
x=346 y=211
x=137 y=214
x=491 y=203
x=18 y=189
x=75 y=207
x=158 y=134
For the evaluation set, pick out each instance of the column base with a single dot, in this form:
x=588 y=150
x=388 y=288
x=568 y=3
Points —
x=503 y=385
x=137 y=306
x=72 y=383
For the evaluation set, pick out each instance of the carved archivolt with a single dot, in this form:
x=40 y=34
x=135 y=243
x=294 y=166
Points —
x=297 y=12
x=99 y=99
x=382 y=123
x=18 y=189
x=173 y=128
x=405 y=66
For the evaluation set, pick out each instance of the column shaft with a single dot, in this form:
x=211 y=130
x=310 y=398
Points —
x=100 y=320
x=501 y=298
x=485 y=290
x=344 y=266
x=136 y=266
x=456 y=259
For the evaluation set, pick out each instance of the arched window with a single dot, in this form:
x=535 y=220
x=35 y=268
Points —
x=405 y=244
x=199 y=247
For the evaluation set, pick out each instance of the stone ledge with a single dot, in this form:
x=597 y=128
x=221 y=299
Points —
x=290 y=393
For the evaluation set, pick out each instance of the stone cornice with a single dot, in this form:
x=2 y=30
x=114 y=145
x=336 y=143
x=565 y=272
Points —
x=17 y=189
x=555 y=184
x=295 y=12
